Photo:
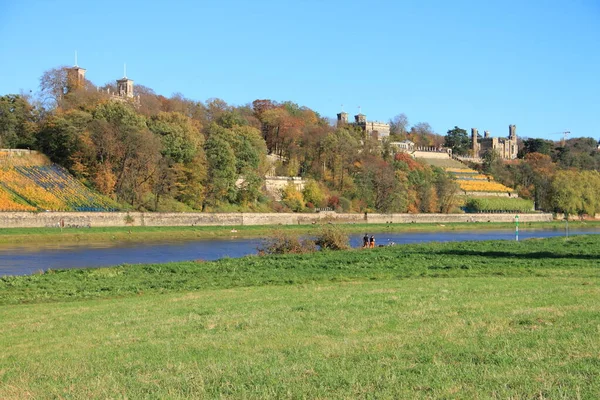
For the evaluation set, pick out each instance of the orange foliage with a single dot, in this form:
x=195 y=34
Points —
x=409 y=161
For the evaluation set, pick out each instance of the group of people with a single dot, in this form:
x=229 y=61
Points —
x=368 y=242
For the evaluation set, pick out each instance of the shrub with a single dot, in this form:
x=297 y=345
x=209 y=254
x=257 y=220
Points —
x=312 y=193
x=331 y=237
x=292 y=198
x=345 y=204
x=333 y=201
x=283 y=243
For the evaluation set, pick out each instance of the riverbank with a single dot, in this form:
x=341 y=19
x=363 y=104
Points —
x=445 y=320
x=460 y=259
x=140 y=234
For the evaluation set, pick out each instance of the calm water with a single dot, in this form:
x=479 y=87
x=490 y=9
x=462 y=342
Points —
x=26 y=260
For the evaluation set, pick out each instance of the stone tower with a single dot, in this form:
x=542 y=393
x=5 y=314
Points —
x=474 y=146
x=75 y=78
x=360 y=119
x=125 y=86
x=342 y=118
x=512 y=132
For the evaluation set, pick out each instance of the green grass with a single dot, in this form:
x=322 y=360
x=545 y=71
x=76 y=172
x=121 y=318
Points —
x=467 y=320
x=11 y=236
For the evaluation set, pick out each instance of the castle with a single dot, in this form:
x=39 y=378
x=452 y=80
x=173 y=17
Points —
x=506 y=148
x=76 y=80
x=378 y=130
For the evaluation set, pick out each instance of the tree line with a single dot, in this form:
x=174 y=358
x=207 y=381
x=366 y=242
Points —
x=177 y=154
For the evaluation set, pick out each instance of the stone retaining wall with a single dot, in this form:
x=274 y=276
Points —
x=98 y=219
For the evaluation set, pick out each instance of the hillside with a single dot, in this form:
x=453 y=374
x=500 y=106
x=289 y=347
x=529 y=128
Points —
x=30 y=182
x=471 y=182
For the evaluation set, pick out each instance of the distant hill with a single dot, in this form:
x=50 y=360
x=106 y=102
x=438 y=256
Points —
x=30 y=182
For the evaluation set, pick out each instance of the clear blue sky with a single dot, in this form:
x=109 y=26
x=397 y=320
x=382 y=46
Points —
x=484 y=64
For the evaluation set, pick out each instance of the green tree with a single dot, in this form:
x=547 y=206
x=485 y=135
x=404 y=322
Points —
x=222 y=172
x=59 y=137
x=458 y=140
x=541 y=146
x=180 y=136
x=17 y=122
x=567 y=192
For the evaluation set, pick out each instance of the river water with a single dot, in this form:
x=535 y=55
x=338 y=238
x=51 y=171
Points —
x=27 y=260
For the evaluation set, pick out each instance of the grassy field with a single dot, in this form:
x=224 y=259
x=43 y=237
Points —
x=464 y=320
x=11 y=236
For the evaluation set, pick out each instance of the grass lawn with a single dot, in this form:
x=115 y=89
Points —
x=465 y=320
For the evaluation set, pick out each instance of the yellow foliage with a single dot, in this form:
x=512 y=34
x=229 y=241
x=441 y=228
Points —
x=483 y=186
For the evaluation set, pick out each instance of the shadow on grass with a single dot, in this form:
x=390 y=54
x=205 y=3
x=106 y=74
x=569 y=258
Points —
x=531 y=255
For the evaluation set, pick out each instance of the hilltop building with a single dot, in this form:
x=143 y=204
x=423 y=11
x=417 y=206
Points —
x=506 y=148
x=376 y=129
x=76 y=80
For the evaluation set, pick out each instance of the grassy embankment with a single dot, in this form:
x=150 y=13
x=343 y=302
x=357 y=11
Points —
x=11 y=236
x=451 y=320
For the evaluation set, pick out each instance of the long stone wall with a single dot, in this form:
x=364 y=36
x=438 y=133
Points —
x=100 y=219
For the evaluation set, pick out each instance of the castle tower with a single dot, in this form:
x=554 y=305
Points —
x=474 y=142
x=342 y=118
x=361 y=119
x=125 y=85
x=512 y=132
x=486 y=134
x=75 y=77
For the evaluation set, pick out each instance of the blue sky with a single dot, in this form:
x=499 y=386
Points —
x=483 y=64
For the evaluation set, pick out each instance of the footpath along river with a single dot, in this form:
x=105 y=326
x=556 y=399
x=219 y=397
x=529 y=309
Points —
x=27 y=260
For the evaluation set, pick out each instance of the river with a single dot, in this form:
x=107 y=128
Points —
x=27 y=260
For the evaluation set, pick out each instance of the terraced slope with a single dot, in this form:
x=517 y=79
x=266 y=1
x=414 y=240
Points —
x=472 y=182
x=45 y=186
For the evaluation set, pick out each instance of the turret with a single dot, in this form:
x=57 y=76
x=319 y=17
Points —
x=512 y=132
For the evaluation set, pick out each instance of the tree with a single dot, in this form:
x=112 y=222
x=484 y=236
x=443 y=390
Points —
x=458 y=140
x=54 y=85
x=541 y=146
x=222 y=174
x=422 y=134
x=399 y=126
x=59 y=137
x=124 y=142
x=17 y=122
x=180 y=136
x=292 y=198
x=313 y=194
x=447 y=191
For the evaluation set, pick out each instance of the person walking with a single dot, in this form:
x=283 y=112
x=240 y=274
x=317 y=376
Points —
x=365 y=241
x=372 y=242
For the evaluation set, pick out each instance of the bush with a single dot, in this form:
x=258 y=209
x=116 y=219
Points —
x=313 y=194
x=292 y=198
x=283 y=243
x=330 y=237
x=345 y=204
